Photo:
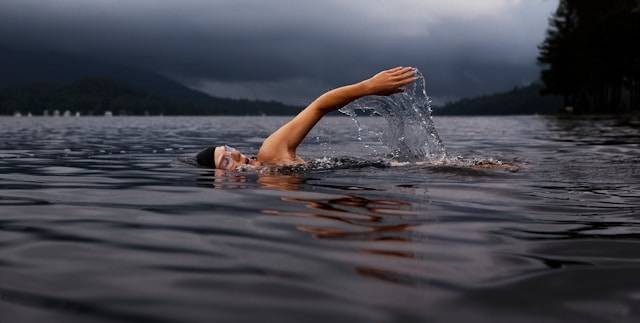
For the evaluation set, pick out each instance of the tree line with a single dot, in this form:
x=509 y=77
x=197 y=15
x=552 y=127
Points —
x=591 y=55
x=95 y=96
x=519 y=100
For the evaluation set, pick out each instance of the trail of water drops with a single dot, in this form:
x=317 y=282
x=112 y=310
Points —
x=410 y=133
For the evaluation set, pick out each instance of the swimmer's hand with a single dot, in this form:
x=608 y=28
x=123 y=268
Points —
x=390 y=81
x=280 y=147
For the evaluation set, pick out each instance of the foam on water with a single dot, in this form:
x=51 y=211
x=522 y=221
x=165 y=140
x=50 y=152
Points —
x=317 y=164
x=410 y=132
x=92 y=235
x=449 y=164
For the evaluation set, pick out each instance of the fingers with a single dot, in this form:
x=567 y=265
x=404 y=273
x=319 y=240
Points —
x=395 y=69
x=401 y=83
x=405 y=78
x=391 y=81
x=405 y=74
x=402 y=71
x=399 y=70
x=407 y=81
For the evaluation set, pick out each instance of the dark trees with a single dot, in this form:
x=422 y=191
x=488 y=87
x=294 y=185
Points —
x=520 y=100
x=95 y=96
x=591 y=55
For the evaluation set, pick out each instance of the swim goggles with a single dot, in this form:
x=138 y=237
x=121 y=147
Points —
x=226 y=159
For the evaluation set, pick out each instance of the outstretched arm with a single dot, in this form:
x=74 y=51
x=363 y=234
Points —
x=280 y=147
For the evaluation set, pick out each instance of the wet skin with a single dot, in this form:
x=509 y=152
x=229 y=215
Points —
x=228 y=158
x=280 y=147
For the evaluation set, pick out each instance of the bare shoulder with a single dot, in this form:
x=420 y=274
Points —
x=269 y=155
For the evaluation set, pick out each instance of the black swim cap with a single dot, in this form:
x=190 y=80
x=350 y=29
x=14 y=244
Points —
x=205 y=157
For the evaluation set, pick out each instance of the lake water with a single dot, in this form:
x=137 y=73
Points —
x=101 y=220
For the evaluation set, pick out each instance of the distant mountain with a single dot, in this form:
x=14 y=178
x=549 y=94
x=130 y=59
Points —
x=520 y=100
x=54 y=80
x=22 y=68
x=95 y=96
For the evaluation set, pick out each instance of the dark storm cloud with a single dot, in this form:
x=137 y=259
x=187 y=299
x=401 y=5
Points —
x=291 y=50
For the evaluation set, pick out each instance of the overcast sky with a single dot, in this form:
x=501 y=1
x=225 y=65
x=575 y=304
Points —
x=293 y=50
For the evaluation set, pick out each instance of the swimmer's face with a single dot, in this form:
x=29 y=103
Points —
x=228 y=158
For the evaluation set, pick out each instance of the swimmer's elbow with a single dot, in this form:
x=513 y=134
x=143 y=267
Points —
x=321 y=106
x=338 y=98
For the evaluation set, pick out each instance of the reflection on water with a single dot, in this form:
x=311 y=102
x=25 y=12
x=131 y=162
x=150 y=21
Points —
x=386 y=222
x=107 y=223
x=280 y=182
x=222 y=179
x=365 y=219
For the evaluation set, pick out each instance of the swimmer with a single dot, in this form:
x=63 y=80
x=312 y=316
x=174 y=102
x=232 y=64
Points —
x=279 y=149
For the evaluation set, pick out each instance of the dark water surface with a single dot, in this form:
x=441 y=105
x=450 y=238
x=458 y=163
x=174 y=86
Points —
x=101 y=221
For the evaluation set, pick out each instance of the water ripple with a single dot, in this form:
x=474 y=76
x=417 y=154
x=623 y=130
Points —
x=111 y=222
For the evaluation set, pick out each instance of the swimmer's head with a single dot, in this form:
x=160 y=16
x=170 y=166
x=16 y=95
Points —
x=223 y=157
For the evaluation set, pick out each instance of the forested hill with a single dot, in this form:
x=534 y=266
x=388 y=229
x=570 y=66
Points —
x=591 y=55
x=34 y=82
x=520 y=100
x=95 y=96
x=21 y=68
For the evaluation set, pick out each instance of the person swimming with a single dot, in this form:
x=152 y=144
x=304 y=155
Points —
x=279 y=149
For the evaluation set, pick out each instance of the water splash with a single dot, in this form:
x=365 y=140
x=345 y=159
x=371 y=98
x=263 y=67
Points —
x=410 y=133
